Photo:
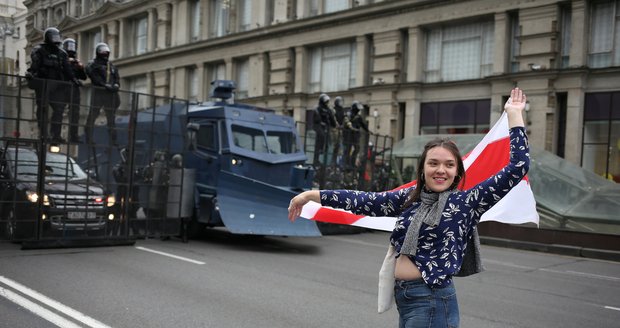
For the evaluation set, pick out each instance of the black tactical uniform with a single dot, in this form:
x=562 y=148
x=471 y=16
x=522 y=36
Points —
x=70 y=46
x=127 y=199
x=323 y=119
x=352 y=134
x=339 y=115
x=50 y=76
x=105 y=79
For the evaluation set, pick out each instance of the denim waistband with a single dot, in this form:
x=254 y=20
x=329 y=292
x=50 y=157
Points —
x=414 y=282
x=419 y=282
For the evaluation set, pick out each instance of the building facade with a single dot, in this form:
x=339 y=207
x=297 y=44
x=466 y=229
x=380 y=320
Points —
x=421 y=66
x=12 y=38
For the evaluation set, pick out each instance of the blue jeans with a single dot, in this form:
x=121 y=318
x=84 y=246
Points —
x=422 y=306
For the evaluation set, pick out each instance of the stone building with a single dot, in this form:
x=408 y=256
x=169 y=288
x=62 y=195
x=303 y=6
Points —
x=421 y=66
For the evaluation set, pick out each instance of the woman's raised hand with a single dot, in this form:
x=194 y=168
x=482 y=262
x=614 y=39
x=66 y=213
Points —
x=514 y=107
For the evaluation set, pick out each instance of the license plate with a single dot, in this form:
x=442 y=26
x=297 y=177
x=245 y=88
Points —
x=81 y=215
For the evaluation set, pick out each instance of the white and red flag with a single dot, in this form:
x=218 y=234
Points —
x=487 y=158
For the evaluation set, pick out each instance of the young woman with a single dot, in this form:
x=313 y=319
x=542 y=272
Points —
x=436 y=221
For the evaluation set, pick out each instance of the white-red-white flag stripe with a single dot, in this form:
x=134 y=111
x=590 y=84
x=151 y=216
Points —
x=486 y=159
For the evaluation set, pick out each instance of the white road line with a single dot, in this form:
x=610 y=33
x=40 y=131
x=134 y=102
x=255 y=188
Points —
x=358 y=242
x=612 y=308
x=170 y=255
x=511 y=265
x=37 y=309
x=79 y=316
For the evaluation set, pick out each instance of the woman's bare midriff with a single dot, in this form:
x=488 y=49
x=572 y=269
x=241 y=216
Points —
x=405 y=269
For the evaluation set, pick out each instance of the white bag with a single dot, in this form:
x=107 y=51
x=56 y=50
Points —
x=386 y=281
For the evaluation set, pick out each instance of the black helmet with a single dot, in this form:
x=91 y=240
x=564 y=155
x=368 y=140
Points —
x=323 y=99
x=70 y=46
x=102 y=50
x=356 y=107
x=52 y=36
x=338 y=101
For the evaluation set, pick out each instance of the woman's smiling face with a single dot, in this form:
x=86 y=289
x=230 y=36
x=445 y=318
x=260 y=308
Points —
x=440 y=169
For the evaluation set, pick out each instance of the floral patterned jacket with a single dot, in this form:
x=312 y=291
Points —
x=440 y=248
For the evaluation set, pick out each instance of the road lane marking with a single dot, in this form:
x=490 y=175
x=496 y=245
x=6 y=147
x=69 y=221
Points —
x=170 y=255
x=612 y=308
x=358 y=242
x=37 y=309
x=77 y=315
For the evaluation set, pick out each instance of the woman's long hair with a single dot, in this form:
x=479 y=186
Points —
x=445 y=143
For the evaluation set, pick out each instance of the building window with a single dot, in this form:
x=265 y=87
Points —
x=332 y=68
x=335 y=5
x=195 y=21
x=459 y=52
x=245 y=15
x=242 y=77
x=91 y=38
x=138 y=29
x=220 y=12
x=515 y=43
x=605 y=34
x=139 y=88
x=59 y=14
x=192 y=84
x=601 y=134
x=565 y=36
x=313 y=7
x=216 y=71
x=455 y=117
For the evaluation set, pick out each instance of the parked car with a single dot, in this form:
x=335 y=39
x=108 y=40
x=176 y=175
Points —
x=69 y=200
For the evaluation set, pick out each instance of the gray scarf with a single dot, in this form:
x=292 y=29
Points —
x=429 y=212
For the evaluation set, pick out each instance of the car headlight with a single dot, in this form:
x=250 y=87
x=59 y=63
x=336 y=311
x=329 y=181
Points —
x=34 y=197
x=111 y=200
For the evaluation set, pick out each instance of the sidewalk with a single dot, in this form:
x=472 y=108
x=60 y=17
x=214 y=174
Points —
x=578 y=251
x=581 y=244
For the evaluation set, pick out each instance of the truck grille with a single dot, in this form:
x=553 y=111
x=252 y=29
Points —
x=73 y=202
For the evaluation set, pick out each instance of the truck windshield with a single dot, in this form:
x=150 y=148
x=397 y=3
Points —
x=24 y=162
x=275 y=142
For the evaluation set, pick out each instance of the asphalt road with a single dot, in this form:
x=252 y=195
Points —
x=225 y=280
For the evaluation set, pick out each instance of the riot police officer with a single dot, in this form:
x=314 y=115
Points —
x=339 y=115
x=105 y=79
x=352 y=129
x=127 y=195
x=323 y=119
x=50 y=75
x=70 y=47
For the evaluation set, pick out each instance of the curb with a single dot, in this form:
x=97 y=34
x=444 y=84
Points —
x=568 y=250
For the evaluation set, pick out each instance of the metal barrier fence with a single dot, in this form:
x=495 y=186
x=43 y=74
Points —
x=87 y=164
x=360 y=161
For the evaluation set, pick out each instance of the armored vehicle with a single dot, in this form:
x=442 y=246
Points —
x=245 y=164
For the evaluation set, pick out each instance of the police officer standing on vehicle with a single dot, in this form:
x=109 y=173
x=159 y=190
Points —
x=323 y=119
x=339 y=115
x=105 y=80
x=50 y=76
x=70 y=47
x=352 y=129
